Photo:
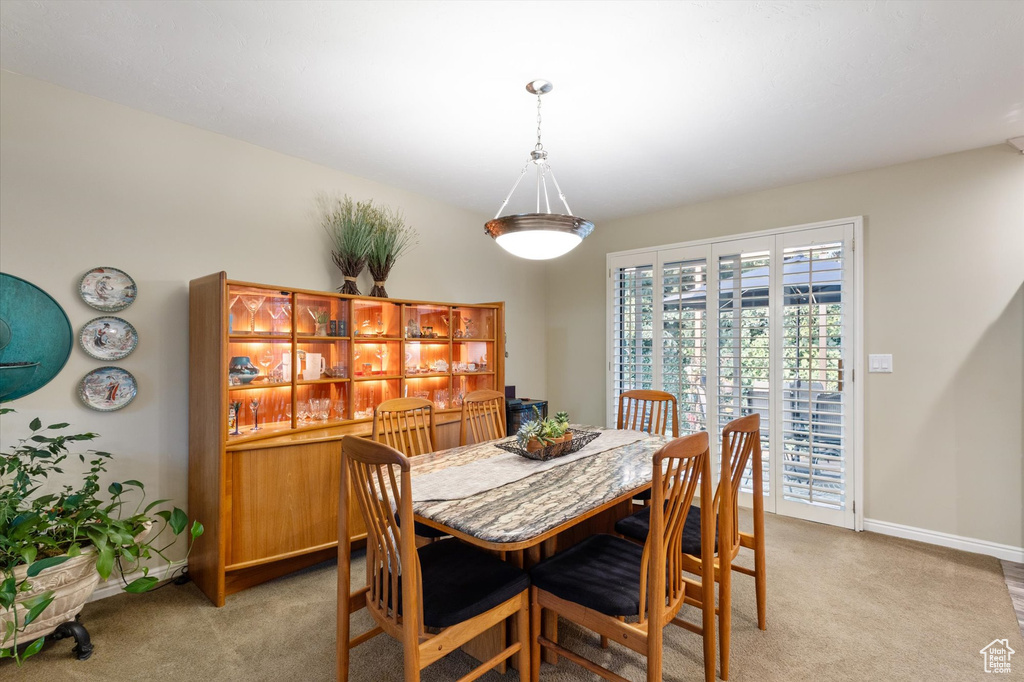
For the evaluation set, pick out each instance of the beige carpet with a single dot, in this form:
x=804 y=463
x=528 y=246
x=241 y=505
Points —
x=841 y=606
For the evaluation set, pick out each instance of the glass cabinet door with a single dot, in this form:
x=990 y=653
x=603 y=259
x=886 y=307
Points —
x=469 y=322
x=376 y=318
x=259 y=383
x=322 y=360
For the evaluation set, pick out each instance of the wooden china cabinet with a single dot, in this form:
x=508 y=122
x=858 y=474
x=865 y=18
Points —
x=277 y=375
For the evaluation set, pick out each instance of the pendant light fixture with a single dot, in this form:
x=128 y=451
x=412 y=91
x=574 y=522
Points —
x=538 y=236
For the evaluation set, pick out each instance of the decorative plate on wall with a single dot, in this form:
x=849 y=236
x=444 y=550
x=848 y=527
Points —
x=107 y=389
x=35 y=337
x=108 y=338
x=107 y=289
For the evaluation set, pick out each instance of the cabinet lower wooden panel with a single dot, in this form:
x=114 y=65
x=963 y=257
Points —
x=284 y=501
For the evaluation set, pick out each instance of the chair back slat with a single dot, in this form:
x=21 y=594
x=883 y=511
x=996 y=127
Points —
x=679 y=467
x=483 y=416
x=741 y=443
x=379 y=479
x=405 y=424
x=649 y=411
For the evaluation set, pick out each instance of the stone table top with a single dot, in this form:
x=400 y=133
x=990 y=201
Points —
x=530 y=507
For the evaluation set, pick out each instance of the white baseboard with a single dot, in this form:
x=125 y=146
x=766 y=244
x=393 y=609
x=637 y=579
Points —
x=115 y=585
x=1007 y=552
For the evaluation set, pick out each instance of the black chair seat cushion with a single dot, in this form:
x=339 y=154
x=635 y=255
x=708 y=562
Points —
x=460 y=582
x=638 y=525
x=600 y=573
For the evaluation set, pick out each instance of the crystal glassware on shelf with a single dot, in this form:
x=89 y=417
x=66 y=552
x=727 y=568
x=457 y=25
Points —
x=252 y=304
x=441 y=398
x=382 y=355
x=302 y=411
x=380 y=326
x=278 y=311
x=254 y=407
x=265 y=358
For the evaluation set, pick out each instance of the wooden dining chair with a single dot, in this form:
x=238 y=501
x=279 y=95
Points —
x=407 y=425
x=649 y=411
x=456 y=591
x=741 y=443
x=605 y=579
x=483 y=416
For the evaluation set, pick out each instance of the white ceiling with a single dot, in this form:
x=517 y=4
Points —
x=655 y=103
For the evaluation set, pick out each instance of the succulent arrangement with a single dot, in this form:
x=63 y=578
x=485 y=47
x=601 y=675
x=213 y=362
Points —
x=543 y=432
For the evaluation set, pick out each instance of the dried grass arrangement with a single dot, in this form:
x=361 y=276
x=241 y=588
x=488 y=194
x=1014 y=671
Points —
x=391 y=239
x=351 y=227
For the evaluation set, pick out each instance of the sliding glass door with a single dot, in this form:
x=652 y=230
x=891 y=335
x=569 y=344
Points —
x=776 y=313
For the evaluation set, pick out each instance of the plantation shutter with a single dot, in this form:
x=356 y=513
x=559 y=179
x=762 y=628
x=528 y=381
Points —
x=632 y=323
x=684 y=339
x=744 y=342
x=814 y=395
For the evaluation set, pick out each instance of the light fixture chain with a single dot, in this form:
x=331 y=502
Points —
x=538 y=146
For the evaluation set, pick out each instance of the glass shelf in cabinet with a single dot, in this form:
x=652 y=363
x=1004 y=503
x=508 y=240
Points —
x=258 y=336
x=253 y=385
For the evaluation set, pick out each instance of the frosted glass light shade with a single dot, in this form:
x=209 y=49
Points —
x=538 y=244
x=538 y=236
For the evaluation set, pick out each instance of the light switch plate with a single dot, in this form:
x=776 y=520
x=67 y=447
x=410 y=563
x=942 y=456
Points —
x=880 y=363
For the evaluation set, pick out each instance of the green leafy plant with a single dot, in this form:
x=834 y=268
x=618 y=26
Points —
x=321 y=315
x=350 y=226
x=391 y=238
x=543 y=430
x=41 y=529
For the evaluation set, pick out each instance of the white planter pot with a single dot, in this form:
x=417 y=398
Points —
x=72 y=583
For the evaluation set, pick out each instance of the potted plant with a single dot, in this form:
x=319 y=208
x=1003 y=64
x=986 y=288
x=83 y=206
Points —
x=321 y=317
x=541 y=433
x=391 y=238
x=58 y=540
x=350 y=226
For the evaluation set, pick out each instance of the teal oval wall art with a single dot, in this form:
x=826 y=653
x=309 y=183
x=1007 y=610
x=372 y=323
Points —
x=35 y=338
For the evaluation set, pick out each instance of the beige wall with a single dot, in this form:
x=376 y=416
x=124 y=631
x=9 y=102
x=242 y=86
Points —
x=944 y=267
x=84 y=183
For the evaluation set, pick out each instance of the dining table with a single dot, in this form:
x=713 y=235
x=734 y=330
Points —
x=526 y=510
